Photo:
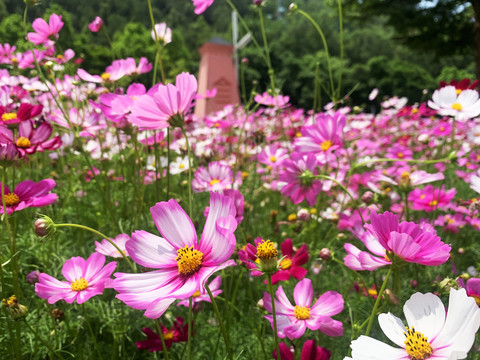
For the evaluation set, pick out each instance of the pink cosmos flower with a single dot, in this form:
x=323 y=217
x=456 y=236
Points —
x=238 y=201
x=218 y=177
x=29 y=194
x=272 y=156
x=202 y=295
x=310 y=351
x=183 y=264
x=107 y=249
x=299 y=178
x=24 y=112
x=292 y=321
x=167 y=105
x=45 y=33
x=85 y=279
x=269 y=100
x=290 y=265
x=473 y=289
x=407 y=240
x=430 y=198
x=164 y=33
x=96 y=24
x=201 y=5
x=31 y=139
x=248 y=255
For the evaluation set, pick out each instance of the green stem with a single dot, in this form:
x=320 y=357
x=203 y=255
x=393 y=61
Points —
x=189 y=335
x=377 y=302
x=157 y=44
x=324 y=41
x=168 y=163
x=160 y=333
x=270 y=290
x=267 y=51
x=44 y=343
x=340 y=71
x=220 y=323
x=190 y=194
x=95 y=344
x=83 y=227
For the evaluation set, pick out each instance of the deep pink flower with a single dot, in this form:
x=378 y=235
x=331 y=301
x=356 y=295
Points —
x=183 y=264
x=167 y=105
x=272 y=156
x=473 y=289
x=201 y=5
x=290 y=265
x=238 y=201
x=299 y=175
x=85 y=279
x=31 y=139
x=407 y=240
x=310 y=351
x=216 y=178
x=24 y=112
x=46 y=33
x=29 y=194
x=96 y=24
x=248 y=255
x=269 y=100
x=107 y=249
x=430 y=198
x=292 y=321
x=177 y=333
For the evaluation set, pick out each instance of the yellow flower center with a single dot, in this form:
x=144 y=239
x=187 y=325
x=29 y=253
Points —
x=23 y=143
x=105 y=76
x=266 y=250
x=422 y=196
x=286 y=264
x=417 y=345
x=298 y=134
x=433 y=203
x=442 y=128
x=292 y=217
x=313 y=211
x=214 y=181
x=188 y=260
x=168 y=336
x=181 y=166
x=14 y=60
x=11 y=199
x=400 y=155
x=372 y=292
x=59 y=56
x=457 y=106
x=9 y=116
x=79 y=285
x=476 y=298
x=196 y=294
x=458 y=91
x=414 y=111
x=327 y=144
x=301 y=312
x=405 y=175
x=273 y=159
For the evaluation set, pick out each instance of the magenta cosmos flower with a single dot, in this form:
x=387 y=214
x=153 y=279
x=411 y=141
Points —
x=167 y=105
x=216 y=178
x=407 y=240
x=29 y=194
x=299 y=178
x=46 y=33
x=107 y=249
x=292 y=321
x=96 y=24
x=430 y=198
x=183 y=264
x=290 y=265
x=310 y=351
x=201 y=5
x=85 y=279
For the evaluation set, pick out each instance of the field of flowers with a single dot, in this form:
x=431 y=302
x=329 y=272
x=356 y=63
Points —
x=133 y=229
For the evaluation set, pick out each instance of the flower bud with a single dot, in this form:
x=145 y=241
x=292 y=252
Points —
x=367 y=197
x=257 y=2
x=303 y=215
x=267 y=255
x=293 y=8
x=44 y=226
x=325 y=254
x=32 y=277
x=17 y=311
x=58 y=314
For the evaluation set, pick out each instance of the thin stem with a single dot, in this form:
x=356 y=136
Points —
x=340 y=21
x=220 y=323
x=160 y=333
x=267 y=51
x=270 y=290
x=324 y=41
x=44 y=343
x=95 y=344
x=83 y=227
x=377 y=302
x=168 y=163
x=190 y=194
x=189 y=335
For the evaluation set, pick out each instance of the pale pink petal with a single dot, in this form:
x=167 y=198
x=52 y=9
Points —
x=303 y=293
x=151 y=251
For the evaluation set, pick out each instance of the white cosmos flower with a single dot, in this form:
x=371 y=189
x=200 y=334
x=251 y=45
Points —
x=463 y=104
x=432 y=333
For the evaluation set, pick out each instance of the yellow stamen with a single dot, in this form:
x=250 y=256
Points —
x=196 y=294
x=405 y=175
x=417 y=345
x=292 y=217
x=477 y=299
x=11 y=199
x=14 y=60
x=273 y=159
x=168 y=336
x=9 y=116
x=181 y=166
x=400 y=155
x=301 y=312
x=23 y=143
x=298 y=134
x=266 y=250
x=59 y=56
x=79 y=285
x=105 y=76
x=414 y=111
x=422 y=196
x=457 y=106
x=442 y=128
x=327 y=144
x=188 y=260
x=433 y=203
x=286 y=263
x=458 y=91
x=214 y=181
x=372 y=292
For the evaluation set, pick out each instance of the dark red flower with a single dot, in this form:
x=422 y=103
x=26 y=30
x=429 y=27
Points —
x=309 y=352
x=291 y=264
x=177 y=333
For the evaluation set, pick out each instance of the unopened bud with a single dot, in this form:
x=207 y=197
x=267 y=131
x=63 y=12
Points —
x=32 y=277
x=260 y=304
x=367 y=197
x=391 y=297
x=58 y=314
x=303 y=215
x=258 y=2
x=267 y=256
x=325 y=254
x=44 y=226
x=17 y=311
x=293 y=8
